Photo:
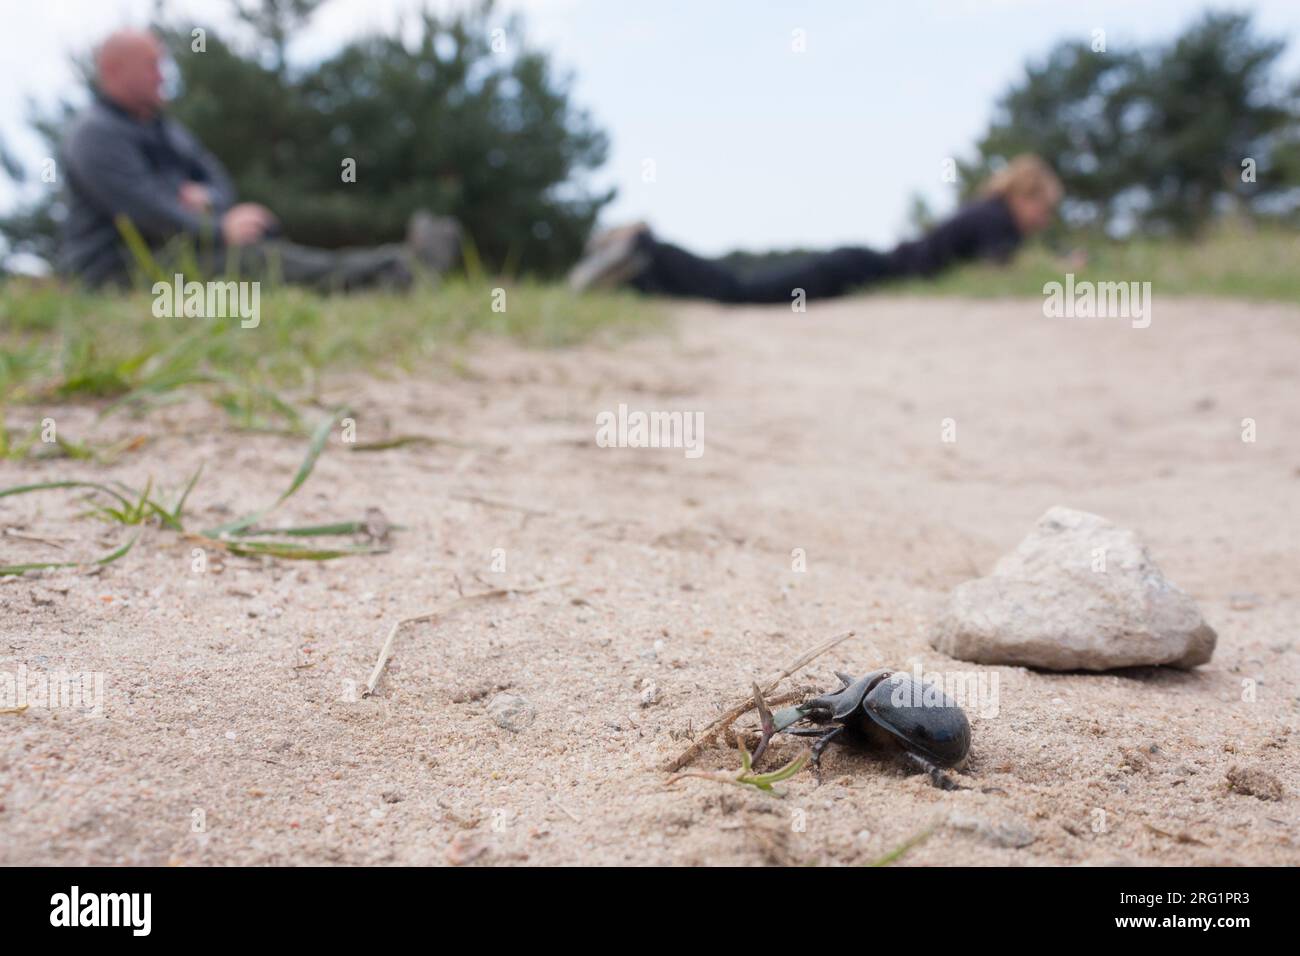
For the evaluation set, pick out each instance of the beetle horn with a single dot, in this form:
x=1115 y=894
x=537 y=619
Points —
x=786 y=716
x=772 y=724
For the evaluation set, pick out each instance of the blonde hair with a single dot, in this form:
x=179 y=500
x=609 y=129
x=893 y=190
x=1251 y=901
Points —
x=1026 y=175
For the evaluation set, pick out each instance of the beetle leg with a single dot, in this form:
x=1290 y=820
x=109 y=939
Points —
x=811 y=731
x=819 y=745
x=937 y=776
x=824 y=737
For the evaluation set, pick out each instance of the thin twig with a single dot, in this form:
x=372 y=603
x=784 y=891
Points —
x=563 y=809
x=733 y=713
x=439 y=612
x=10 y=532
x=492 y=503
x=1180 y=837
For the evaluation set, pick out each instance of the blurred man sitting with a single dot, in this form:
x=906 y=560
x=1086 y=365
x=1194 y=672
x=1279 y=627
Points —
x=125 y=158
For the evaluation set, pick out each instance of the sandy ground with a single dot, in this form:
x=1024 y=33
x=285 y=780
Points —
x=234 y=692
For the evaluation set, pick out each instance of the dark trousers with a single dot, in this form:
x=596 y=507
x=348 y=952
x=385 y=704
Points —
x=327 y=270
x=673 y=271
x=277 y=261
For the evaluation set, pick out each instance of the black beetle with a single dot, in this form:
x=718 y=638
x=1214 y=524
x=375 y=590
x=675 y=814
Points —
x=884 y=708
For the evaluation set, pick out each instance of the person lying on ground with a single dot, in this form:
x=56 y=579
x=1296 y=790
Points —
x=1018 y=201
x=124 y=157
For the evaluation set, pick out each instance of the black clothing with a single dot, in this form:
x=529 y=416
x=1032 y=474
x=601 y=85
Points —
x=981 y=230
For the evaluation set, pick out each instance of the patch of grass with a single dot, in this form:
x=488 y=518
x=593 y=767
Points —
x=130 y=507
x=60 y=344
x=746 y=777
x=12 y=569
x=1231 y=262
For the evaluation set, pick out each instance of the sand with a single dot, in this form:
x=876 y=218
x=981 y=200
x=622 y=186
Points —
x=233 y=729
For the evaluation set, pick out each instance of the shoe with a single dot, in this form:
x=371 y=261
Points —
x=434 y=242
x=613 y=258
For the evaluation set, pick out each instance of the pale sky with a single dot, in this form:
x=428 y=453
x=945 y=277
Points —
x=754 y=145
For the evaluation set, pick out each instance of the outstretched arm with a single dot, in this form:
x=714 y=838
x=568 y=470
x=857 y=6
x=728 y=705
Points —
x=981 y=230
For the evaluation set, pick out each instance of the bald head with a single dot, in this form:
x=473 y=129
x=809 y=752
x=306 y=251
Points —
x=129 y=70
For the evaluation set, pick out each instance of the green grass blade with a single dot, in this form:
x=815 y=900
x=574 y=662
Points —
x=10 y=569
x=317 y=445
x=138 y=248
x=75 y=450
x=114 y=555
x=765 y=780
x=308 y=530
x=398 y=442
x=903 y=848
x=297 y=552
x=175 y=513
x=141 y=508
x=314 y=449
x=47 y=485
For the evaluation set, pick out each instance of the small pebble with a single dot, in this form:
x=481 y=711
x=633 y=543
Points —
x=511 y=712
x=1254 y=782
x=649 y=694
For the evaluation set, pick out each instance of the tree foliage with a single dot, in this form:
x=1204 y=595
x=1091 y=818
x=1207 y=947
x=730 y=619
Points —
x=1156 y=139
x=458 y=115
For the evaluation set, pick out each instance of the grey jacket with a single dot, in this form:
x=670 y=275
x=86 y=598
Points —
x=114 y=165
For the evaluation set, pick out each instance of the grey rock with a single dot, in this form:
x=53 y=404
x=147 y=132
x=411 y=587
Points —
x=511 y=712
x=1049 y=605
